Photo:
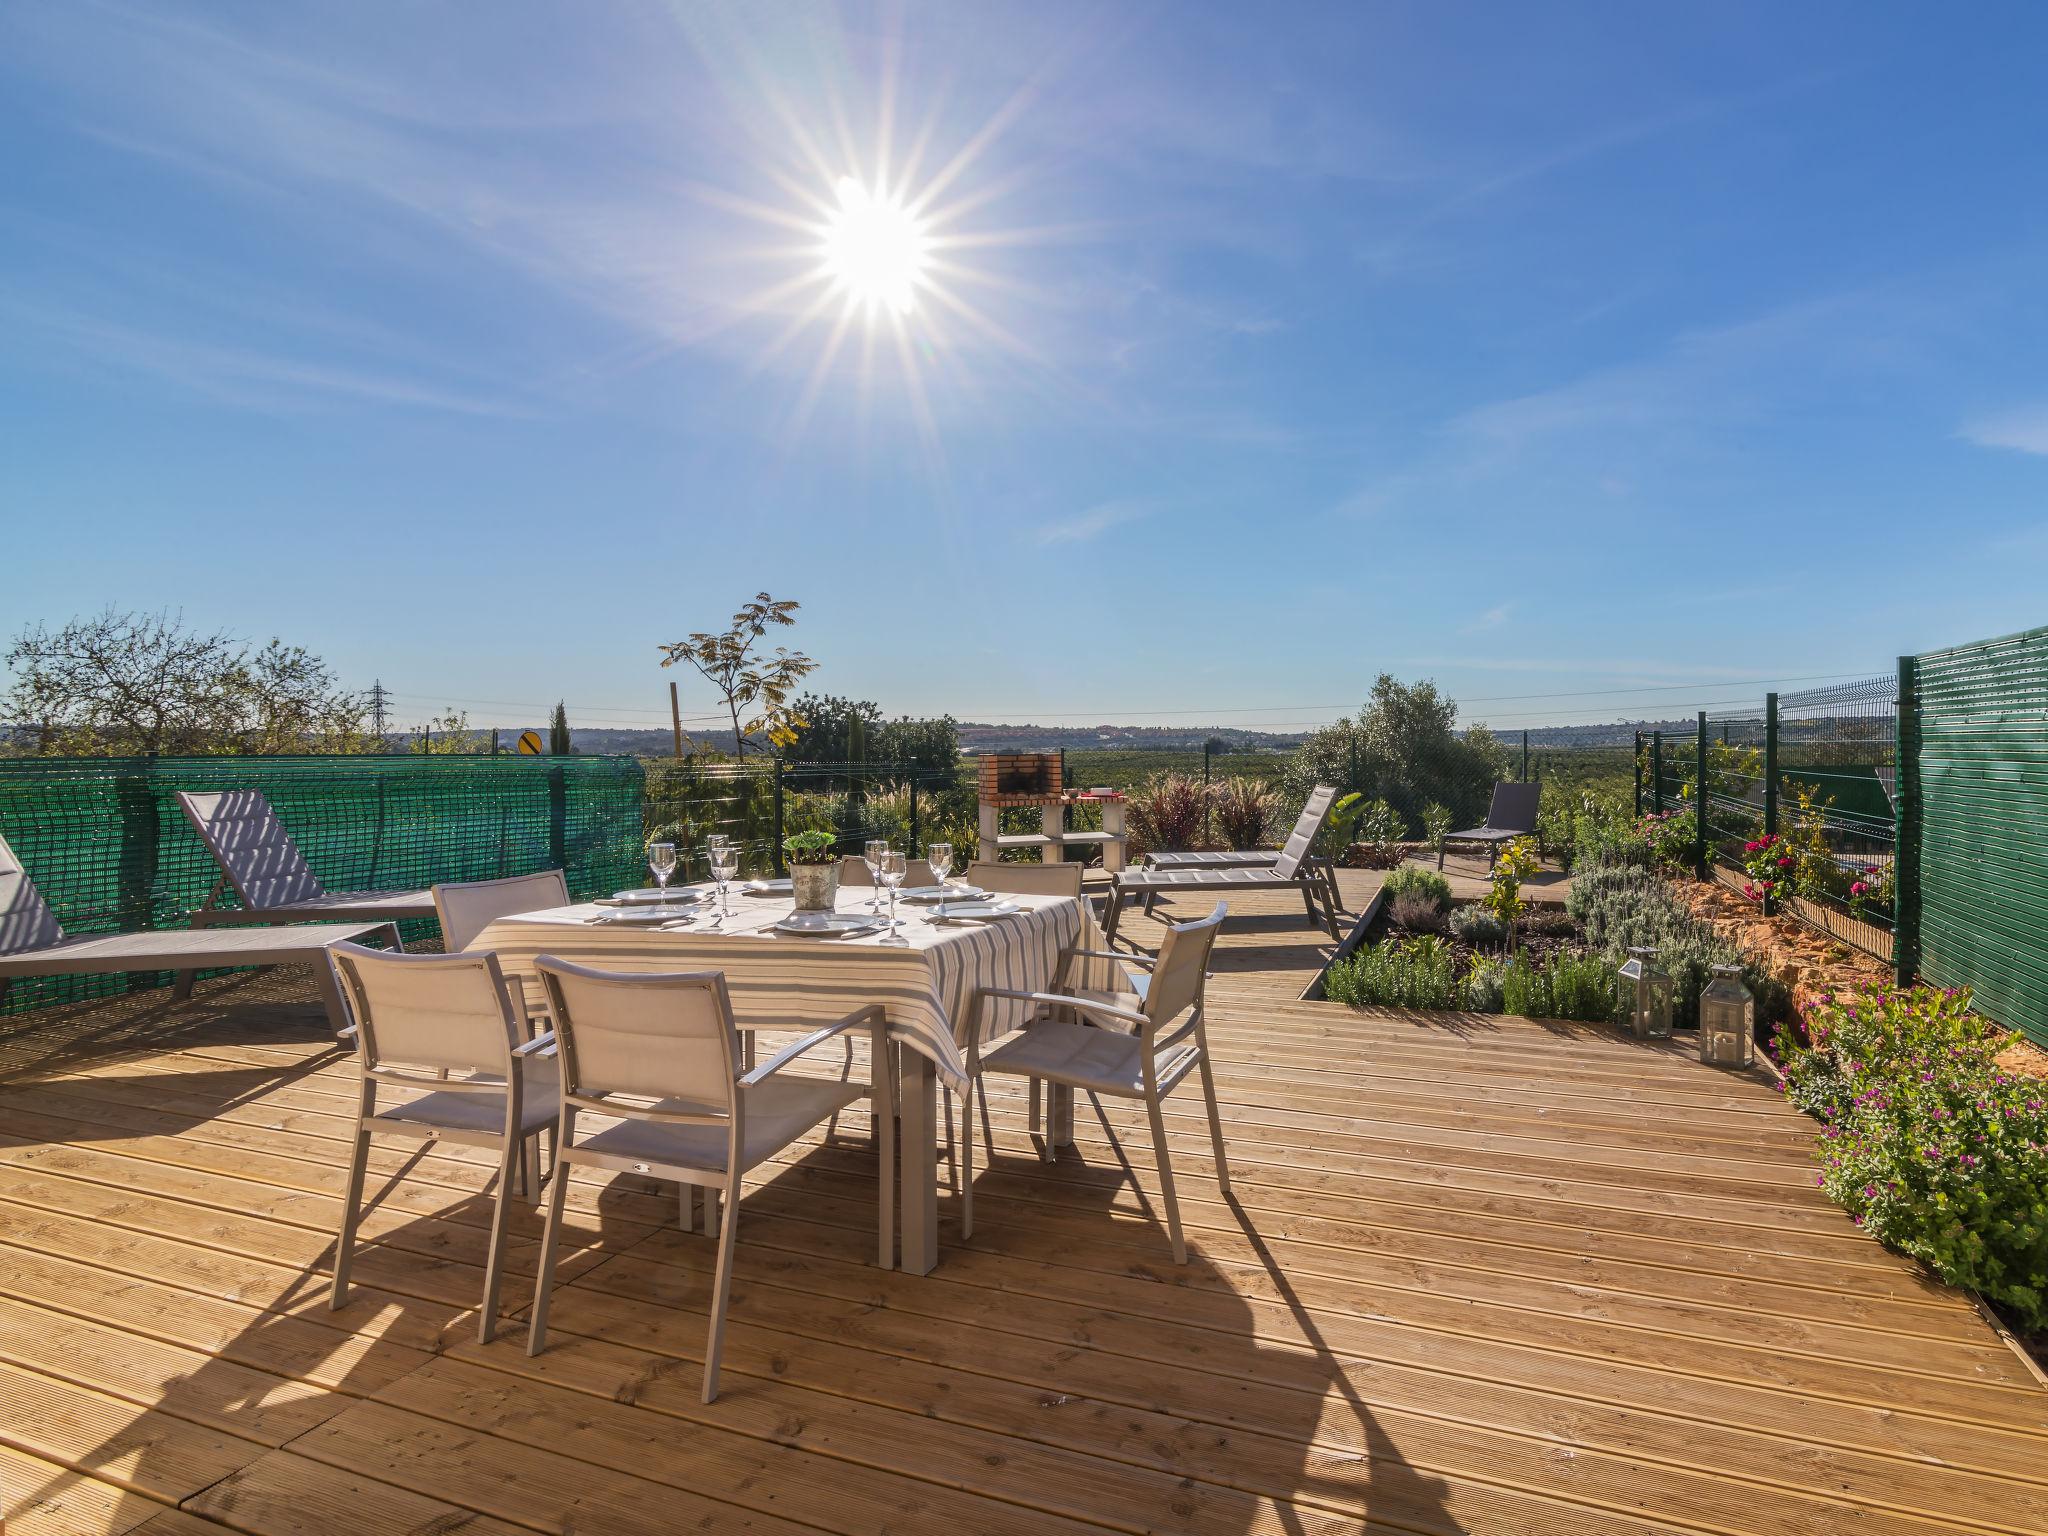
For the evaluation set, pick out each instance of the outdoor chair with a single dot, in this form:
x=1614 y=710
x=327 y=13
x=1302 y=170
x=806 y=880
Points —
x=1315 y=811
x=420 y=1019
x=33 y=943
x=467 y=907
x=1512 y=815
x=1025 y=879
x=659 y=1054
x=853 y=871
x=270 y=876
x=1138 y=1053
x=1293 y=870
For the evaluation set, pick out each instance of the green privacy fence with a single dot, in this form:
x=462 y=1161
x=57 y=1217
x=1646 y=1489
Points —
x=1975 y=823
x=107 y=845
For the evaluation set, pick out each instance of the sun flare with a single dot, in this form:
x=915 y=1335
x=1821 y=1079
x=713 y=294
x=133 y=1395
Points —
x=875 y=249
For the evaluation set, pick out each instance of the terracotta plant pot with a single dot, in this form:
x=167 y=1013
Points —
x=816 y=886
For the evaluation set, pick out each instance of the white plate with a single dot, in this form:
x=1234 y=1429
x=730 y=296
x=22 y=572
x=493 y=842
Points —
x=829 y=925
x=649 y=897
x=951 y=893
x=644 y=917
x=974 y=911
x=767 y=887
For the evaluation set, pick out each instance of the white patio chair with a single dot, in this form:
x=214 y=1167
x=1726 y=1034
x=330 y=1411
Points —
x=420 y=1018
x=1025 y=879
x=853 y=871
x=660 y=1055
x=467 y=907
x=1142 y=1053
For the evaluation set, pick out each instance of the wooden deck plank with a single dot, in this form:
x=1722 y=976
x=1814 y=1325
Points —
x=1479 y=1275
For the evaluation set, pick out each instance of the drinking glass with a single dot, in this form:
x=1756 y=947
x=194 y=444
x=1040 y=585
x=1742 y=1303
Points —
x=725 y=863
x=893 y=868
x=661 y=859
x=872 y=854
x=714 y=841
x=940 y=857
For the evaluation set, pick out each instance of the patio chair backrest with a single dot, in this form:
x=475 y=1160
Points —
x=664 y=1035
x=1026 y=879
x=26 y=921
x=1306 y=830
x=1183 y=966
x=262 y=862
x=435 y=1011
x=468 y=907
x=1514 y=807
x=853 y=870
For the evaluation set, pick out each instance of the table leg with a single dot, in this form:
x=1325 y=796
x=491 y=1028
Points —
x=918 y=1151
x=1059 y=1115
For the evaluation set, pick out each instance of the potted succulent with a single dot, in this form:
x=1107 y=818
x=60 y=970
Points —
x=813 y=870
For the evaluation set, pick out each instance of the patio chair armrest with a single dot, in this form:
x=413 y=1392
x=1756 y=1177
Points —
x=859 y=1018
x=1147 y=961
x=1063 y=1000
x=542 y=1044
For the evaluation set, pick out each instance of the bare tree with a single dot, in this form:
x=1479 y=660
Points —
x=136 y=684
x=746 y=679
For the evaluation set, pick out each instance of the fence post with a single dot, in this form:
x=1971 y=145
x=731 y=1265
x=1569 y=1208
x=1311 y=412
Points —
x=1525 y=757
x=1208 y=805
x=1636 y=763
x=1906 y=829
x=1699 y=799
x=775 y=768
x=915 y=843
x=1770 y=778
x=1657 y=772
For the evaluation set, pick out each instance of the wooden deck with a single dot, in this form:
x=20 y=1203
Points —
x=1480 y=1275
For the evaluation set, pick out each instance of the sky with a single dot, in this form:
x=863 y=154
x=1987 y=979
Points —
x=1596 y=361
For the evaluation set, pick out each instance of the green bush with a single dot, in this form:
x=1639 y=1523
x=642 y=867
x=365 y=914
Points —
x=1411 y=880
x=1620 y=908
x=1927 y=1143
x=1484 y=991
x=1478 y=927
x=1245 y=810
x=1570 y=987
x=1413 y=973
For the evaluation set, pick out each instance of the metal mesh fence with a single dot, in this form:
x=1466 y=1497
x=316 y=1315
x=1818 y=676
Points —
x=1976 y=824
x=106 y=843
x=1837 y=756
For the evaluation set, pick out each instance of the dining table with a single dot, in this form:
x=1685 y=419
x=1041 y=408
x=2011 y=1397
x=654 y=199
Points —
x=924 y=973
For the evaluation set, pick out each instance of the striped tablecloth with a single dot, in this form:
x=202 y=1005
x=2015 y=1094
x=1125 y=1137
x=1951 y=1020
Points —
x=924 y=982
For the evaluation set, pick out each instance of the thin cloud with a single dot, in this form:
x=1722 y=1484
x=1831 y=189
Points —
x=1090 y=525
x=2024 y=429
x=1493 y=618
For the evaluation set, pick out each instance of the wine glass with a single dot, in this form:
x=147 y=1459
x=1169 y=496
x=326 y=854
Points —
x=872 y=854
x=940 y=857
x=894 y=866
x=661 y=859
x=725 y=863
x=714 y=841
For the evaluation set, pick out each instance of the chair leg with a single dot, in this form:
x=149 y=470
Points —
x=1215 y=1123
x=1033 y=1123
x=544 y=1282
x=344 y=1247
x=494 y=1265
x=721 y=1287
x=686 y=1206
x=967 y=1164
x=952 y=1149
x=988 y=1131
x=1159 y=1155
x=1114 y=911
x=845 y=1075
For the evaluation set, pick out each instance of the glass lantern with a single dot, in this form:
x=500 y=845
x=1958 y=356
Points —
x=1727 y=1020
x=1645 y=996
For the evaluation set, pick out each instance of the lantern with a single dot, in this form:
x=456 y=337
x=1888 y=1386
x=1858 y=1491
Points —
x=1645 y=996
x=1727 y=1020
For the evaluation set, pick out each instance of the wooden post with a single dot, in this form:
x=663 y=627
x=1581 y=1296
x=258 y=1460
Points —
x=675 y=715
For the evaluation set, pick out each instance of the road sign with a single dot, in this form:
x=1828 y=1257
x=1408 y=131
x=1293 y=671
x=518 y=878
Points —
x=529 y=743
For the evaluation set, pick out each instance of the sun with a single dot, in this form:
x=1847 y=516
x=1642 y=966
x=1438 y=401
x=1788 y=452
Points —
x=876 y=250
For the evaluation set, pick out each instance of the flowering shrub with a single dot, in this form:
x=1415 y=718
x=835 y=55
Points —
x=1667 y=837
x=1168 y=812
x=1770 y=866
x=1928 y=1143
